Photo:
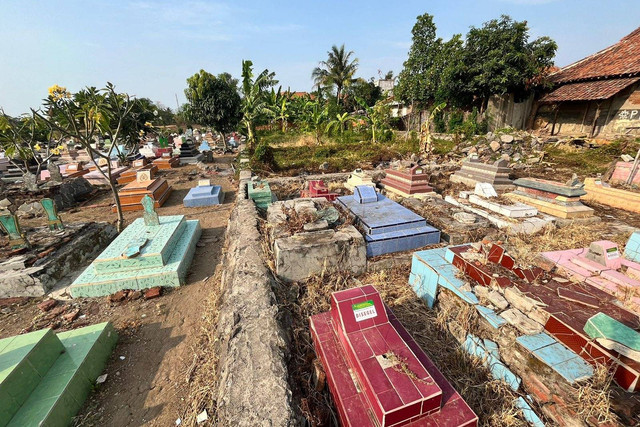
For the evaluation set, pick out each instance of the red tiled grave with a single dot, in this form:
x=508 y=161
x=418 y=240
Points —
x=376 y=372
x=318 y=188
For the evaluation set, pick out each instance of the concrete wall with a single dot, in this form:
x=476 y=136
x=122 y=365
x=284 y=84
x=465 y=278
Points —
x=504 y=111
x=617 y=116
x=251 y=343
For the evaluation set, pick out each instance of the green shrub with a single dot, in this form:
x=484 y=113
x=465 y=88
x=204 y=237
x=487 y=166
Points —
x=264 y=154
x=456 y=119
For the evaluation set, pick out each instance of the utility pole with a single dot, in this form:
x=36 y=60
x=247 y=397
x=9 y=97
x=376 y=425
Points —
x=177 y=105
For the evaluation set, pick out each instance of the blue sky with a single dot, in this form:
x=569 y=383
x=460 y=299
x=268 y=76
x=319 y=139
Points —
x=149 y=47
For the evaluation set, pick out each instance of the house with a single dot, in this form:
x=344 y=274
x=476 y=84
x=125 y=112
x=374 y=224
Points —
x=596 y=96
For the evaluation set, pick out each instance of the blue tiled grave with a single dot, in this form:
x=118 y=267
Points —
x=164 y=255
x=388 y=226
x=204 y=195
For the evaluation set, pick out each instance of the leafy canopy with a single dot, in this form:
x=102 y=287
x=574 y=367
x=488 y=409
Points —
x=213 y=101
x=337 y=70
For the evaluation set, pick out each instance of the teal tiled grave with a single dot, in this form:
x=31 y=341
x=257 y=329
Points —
x=46 y=377
x=166 y=253
x=387 y=226
x=205 y=195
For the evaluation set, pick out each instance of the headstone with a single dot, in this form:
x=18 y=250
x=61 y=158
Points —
x=358 y=177
x=204 y=146
x=54 y=172
x=605 y=253
x=11 y=226
x=55 y=222
x=30 y=182
x=150 y=214
x=474 y=171
x=553 y=198
x=486 y=190
x=143 y=176
x=204 y=182
x=317 y=188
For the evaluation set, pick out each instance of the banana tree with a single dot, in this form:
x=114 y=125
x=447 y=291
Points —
x=426 y=145
x=376 y=117
x=254 y=103
x=316 y=116
x=339 y=123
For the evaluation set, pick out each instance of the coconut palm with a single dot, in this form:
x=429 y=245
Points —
x=337 y=70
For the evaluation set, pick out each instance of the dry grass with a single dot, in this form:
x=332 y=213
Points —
x=491 y=399
x=202 y=378
x=525 y=247
x=593 y=399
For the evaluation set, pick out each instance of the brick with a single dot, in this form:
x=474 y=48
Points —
x=72 y=315
x=47 y=305
x=153 y=292
x=118 y=296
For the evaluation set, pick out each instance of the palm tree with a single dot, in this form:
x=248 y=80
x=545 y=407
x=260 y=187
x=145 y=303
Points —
x=337 y=70
x=339 y=123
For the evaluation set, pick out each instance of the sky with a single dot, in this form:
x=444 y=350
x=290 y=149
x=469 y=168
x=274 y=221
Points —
x=148 y=48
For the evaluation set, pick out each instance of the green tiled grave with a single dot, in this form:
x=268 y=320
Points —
x=260 y=193
x=45 y=378
x=163 y=260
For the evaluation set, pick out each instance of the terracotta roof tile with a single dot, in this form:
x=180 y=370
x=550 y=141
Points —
x=585 y=91
x=621 y=59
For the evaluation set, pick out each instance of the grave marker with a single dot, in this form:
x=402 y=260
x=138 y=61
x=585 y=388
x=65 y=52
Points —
x=11 y=226
x=377 y=374
x=55 y=222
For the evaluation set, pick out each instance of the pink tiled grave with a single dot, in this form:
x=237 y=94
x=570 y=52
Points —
x=602 y=266
x=318 y=188
x=377 y=374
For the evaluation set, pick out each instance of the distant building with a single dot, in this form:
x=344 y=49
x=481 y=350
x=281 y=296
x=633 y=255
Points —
x=596 y=96
x=386 y=85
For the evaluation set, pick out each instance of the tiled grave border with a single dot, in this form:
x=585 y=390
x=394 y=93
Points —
x=253 y=386
x=435 y=269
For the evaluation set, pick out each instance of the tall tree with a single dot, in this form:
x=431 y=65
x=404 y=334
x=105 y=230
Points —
x=419 y=79
x=213 y=101
x=361 y=89
x=501 y=59
x=337 y=70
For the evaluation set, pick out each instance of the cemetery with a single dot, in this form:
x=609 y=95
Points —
x=451 y=246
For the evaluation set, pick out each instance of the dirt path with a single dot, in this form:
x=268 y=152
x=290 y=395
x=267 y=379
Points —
x=147 y=370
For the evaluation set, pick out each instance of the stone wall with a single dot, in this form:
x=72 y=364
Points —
x=20 y=277
x=251 y=343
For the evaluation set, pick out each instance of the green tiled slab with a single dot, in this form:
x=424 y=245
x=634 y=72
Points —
x=172 y=274
x=24 y=360
x=261 y=195
x=603 y=326
x=161 y=240
x=64 y=387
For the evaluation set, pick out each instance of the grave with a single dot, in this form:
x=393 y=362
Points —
x=11 y=227
x=50 y=209
x=75 y=155
x=474 y=171
x=455 y=225
x=167 y=161
x=204 y=194
x=622 y=172
x=317 y=244
x=377 y=373
x=204 y=146
x=514 y=218
x=46 y=377
x=553 y=198
x=632 y=248
x=152 y=251
x=408 y=183
x=95 y=177
x=132 y=194
x=138 y=165
x=598 y=191
x=260 y=192
x=559 y=309
x=149 y=150
x=318 y=188
x=387 y=226
x=74 y=170
x=188 y=154
x=358 y=177
x=602 y=266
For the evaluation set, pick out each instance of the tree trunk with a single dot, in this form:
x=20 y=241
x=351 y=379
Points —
x=224 y=142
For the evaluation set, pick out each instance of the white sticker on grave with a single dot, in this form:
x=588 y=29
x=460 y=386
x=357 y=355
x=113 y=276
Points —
x=364 y=310
x=612 y=253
